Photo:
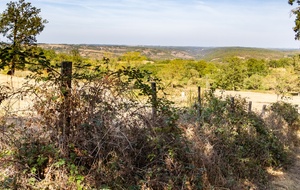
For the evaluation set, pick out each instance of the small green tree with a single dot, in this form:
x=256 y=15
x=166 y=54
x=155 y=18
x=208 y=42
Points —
x=254 y=82
x=232 y=75
x=20 y=23
x=281 y=63
x=132 y=56
x=283 y=81
x=296 y=11
x=256 y=67
x=76 y=57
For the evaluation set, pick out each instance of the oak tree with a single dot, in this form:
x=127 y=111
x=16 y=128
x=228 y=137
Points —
x=20 y=23
x=231 y=75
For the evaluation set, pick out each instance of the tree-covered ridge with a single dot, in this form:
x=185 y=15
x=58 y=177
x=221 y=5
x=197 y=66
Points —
x=164 y=52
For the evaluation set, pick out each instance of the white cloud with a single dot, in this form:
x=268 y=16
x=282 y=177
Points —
x=168 y=22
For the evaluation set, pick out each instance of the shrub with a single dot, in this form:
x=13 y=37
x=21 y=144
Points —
x=113 y=141
x=237 y=145
x=287 y=111
x=254 y=82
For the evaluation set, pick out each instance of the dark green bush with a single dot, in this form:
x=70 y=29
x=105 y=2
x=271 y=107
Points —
x=286 y=110
x=242 y=140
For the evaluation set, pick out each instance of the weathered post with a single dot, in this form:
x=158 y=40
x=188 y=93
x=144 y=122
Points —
x=154 y=101
x=66 y=81
x=199 y=103
x=250 y=107
x=264 y=108
x=232 y=104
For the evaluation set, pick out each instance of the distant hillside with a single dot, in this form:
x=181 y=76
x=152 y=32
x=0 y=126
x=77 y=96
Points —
x=245 y=53
x=171 y=52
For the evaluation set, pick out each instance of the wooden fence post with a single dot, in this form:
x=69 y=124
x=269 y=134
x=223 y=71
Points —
x=250 y=107
x=199 y=102
x=264 y=108
x=232 y=103
x=66 y=81
x=154 y=100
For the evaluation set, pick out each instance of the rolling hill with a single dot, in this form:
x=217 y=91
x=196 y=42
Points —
x=216 y=54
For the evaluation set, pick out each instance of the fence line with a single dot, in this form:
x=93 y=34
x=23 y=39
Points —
x=197 y=102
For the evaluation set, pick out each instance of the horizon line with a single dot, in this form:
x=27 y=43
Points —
x=194 y=46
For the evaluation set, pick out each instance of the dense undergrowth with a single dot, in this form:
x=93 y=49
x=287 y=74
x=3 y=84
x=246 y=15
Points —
x=115 y=142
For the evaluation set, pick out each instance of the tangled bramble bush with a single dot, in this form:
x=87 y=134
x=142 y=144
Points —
x=4 y=92
x=287 y=111
x=283 y=120
x=113 y=141
x=236 y=146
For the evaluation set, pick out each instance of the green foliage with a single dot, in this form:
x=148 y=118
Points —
x=287 y=111
x=25 y=57
x=286 y=82
x=279 y=75
x=258 y=67
x=132 y=56
x=202 y=67
x=219 y=54
x=174 y=70
x=137 y=78
x=232 y=75
x=154 y=68
x=35 y=155
x=182 y=72
x=50 y=54
x=253 y=74
x=296 y=11
x=76 y=58
x=283 y=63
x=20 y=23
x=254 y=82
x=242 y=140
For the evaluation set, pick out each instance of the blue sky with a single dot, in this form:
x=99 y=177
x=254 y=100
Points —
x=248 y=23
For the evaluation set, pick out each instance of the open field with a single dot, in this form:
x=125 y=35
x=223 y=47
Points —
x=17 y=105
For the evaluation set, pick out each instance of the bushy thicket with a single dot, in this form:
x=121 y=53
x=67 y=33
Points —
x=237 y=146
x=114 y=141
x=106 y=137
x=232 y=73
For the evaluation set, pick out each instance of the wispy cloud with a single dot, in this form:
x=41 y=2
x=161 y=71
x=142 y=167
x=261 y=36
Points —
x=168 y=22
